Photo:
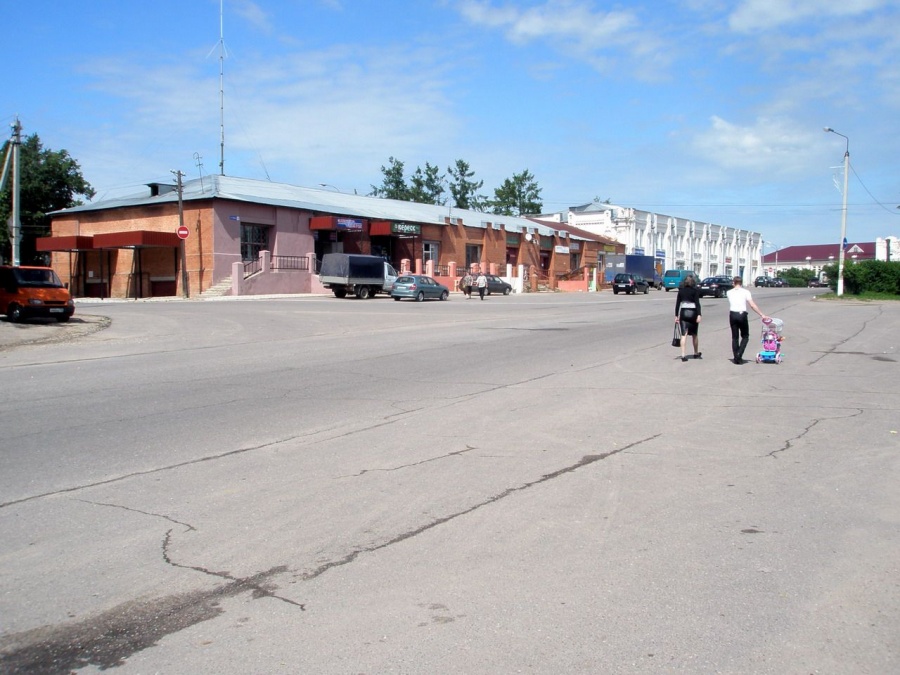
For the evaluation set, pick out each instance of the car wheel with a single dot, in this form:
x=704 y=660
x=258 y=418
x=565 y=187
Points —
x=506 y=291
x=646 y=290
x=421 y=296
x=14 y=313
x=363 y=292
x=615 y=292
x=445 y=295
x=340 y=293
x=62 y=319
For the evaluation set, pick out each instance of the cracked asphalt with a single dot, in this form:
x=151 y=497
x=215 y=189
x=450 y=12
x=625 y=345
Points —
x=528 y=484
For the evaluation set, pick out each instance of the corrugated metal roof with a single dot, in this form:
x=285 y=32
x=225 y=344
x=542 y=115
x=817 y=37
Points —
x=315 y=199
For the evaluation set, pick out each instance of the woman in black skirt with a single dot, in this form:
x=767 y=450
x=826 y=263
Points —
x=687 y=312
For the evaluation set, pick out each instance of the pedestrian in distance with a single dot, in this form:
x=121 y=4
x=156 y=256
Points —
x=739 y=298
x=467 y=285
x=688 y=315
x=481 y=283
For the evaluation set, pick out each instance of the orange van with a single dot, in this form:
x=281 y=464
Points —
x=27 y=292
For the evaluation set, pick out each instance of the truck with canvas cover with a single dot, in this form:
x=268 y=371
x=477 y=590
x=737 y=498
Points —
x=642 y=265
x=356 y=274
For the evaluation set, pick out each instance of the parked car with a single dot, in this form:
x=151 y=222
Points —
x=496 y=285
x=418 y=287
x=715 y=286
x=762 y=282
x=28 y=292
x=630 y=284
x=778 y=283
x=674 y=278
x=815 y=283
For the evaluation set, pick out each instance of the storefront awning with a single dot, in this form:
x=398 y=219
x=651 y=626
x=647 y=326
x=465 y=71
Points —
x=390 y=228
x=338 y=223
x=133 y=239
x=75 y=243
x=137 y=239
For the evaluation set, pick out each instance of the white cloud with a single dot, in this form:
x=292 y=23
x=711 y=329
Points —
x=342 y=111
x=769 y=147
x=573 y=27
x=756 y=15
x=253 y=14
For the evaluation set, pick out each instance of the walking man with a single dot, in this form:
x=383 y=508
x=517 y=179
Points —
x=738 y=300
x=481 y=282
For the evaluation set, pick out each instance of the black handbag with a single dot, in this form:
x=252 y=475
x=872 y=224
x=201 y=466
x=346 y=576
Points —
x=676 y=337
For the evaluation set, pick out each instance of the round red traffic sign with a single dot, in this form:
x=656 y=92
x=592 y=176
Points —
x=182 y=232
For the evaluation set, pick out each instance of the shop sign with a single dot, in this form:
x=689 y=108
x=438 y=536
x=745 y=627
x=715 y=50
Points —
x=575 y=245
x=639 y=250
x=561 y=249
x=406 y=228
x=660 y=253
x=349 y=224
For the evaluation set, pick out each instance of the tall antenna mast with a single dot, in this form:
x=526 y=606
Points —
x=222 y=87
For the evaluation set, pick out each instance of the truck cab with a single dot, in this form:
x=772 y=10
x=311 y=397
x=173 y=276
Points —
x=30 y=292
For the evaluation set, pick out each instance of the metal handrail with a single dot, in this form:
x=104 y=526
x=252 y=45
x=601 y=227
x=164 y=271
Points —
x=290 y=262
x=252 y=267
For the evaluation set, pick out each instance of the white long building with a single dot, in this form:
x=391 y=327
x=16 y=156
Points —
x=676 y=243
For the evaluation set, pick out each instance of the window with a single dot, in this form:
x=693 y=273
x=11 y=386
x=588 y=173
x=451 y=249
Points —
x=254 y=238
x=431 y=251
x=473 y=255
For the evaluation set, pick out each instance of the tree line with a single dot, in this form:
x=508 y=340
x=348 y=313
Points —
x=49 y=180
x=516 y=196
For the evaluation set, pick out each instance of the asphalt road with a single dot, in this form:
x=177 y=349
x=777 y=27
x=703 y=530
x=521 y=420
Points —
x=525 y=484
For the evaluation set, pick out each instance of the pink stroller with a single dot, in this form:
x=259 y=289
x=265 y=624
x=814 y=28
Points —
x=771 y=341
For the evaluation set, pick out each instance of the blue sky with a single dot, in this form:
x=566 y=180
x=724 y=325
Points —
x=705 y=109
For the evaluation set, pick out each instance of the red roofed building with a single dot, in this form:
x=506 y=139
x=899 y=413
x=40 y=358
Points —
x=816 y=256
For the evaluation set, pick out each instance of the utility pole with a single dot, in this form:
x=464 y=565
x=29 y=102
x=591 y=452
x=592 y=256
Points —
x=185 y=290
x=15 y=225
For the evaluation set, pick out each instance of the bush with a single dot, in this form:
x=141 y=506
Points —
x=872 y=276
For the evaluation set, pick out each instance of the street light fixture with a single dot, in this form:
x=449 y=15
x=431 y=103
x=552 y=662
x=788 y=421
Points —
x=840 y=279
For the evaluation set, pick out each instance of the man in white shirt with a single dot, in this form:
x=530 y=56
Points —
x=739 y=299
x=481 y=283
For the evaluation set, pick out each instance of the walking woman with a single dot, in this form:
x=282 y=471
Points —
x=687 y=312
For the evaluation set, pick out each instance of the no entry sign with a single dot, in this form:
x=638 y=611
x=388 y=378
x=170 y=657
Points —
x=182 y=232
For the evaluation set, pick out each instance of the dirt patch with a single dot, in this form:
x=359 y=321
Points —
x=48 y=331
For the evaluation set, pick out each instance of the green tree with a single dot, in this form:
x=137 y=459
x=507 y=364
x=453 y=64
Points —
x=393 y=184
x=463 y=189
x=48 y=181
x=427 y=187
x=518 y=196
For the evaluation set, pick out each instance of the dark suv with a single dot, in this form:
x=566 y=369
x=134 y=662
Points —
x=630 y=284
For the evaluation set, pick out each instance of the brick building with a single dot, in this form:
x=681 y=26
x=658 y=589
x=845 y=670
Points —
x=245 y=236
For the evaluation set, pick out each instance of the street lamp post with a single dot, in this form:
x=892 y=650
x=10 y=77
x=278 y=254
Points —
x=775 y=246
x=840 y=279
